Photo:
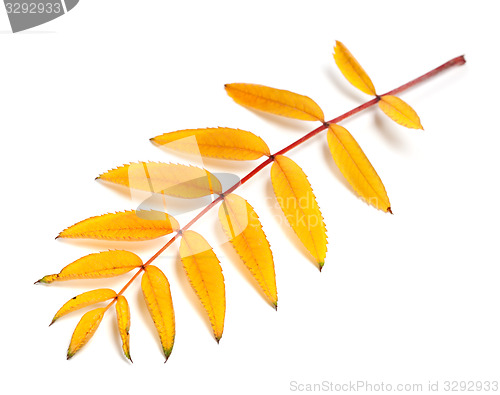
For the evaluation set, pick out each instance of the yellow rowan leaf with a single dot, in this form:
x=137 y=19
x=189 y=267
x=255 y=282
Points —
x=123 y=317
x=156 y=290
x=356 y=168
x=85 y=329
x=83 y=300
x=399 y=111
x=352 y=70
x=97 y=265
x=205 y=275
x=188 y=182
x=296 y=198
x=244 y=230
x=275 y=101
x=124 y=225
x=221 y=143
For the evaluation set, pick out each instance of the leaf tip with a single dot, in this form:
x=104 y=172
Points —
x=320 y=266
x=389 y=210
x=45 y=279
x=275 y=306
x=167 y=352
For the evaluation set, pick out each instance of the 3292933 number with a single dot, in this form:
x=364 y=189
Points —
x=33 y=8
x=470 y=386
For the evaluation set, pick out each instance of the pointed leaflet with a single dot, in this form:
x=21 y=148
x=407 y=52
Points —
x=156 y=290
x=399 y=111
x=188 y=182
x=124 y=225
x=221 y=143
x=83 y=300
x=98 y=265
x=244 y=230
x=275 y=101
x=356 y=168
x=352 y=70
x=85 y=329
x=123 y=317
x=296 y=198
x=205 y=275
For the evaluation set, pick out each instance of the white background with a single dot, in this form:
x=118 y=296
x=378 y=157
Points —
x=406 y=298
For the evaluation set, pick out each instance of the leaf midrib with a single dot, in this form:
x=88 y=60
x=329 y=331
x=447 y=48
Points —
x=302 y=211
x=356 y=165
x=278 y=102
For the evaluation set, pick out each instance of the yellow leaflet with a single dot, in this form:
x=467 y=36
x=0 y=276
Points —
x=244 y=230
x=85 y=329
x=188 y=182
x=123 y=317
x=296 y=198
x=205 y=275
x=156 y=290
x=352 y=70
x=275 y=101
x=399 y=111
x=98 y=265
x=356 y=168
x=83 y=300
x=125 y=225
x=222 y=143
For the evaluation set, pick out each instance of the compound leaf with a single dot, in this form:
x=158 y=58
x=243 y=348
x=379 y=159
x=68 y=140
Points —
x=221 y=143
x=188 y=182
x=399 y=111
x=156 y=290
x=124 y=225
x=97 y=265
x=352 y=70
x=242 y=226
x=85 y=329
x=296 y=198
x=275 y=101
x=356 y=168
x=205 y=275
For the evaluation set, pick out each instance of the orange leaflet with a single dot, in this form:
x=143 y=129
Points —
x=352 y=70
x=275 y=101
x=98 y=265
x=83 y=300
x=188 y=182
x=125 y=225
x=123 y=317
x=156 y=291
x=85 y=329
x=221 y=143
x=296 y=198
x=205 y=275
x=356 y=168
x=244 y=230
x=399 y=111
